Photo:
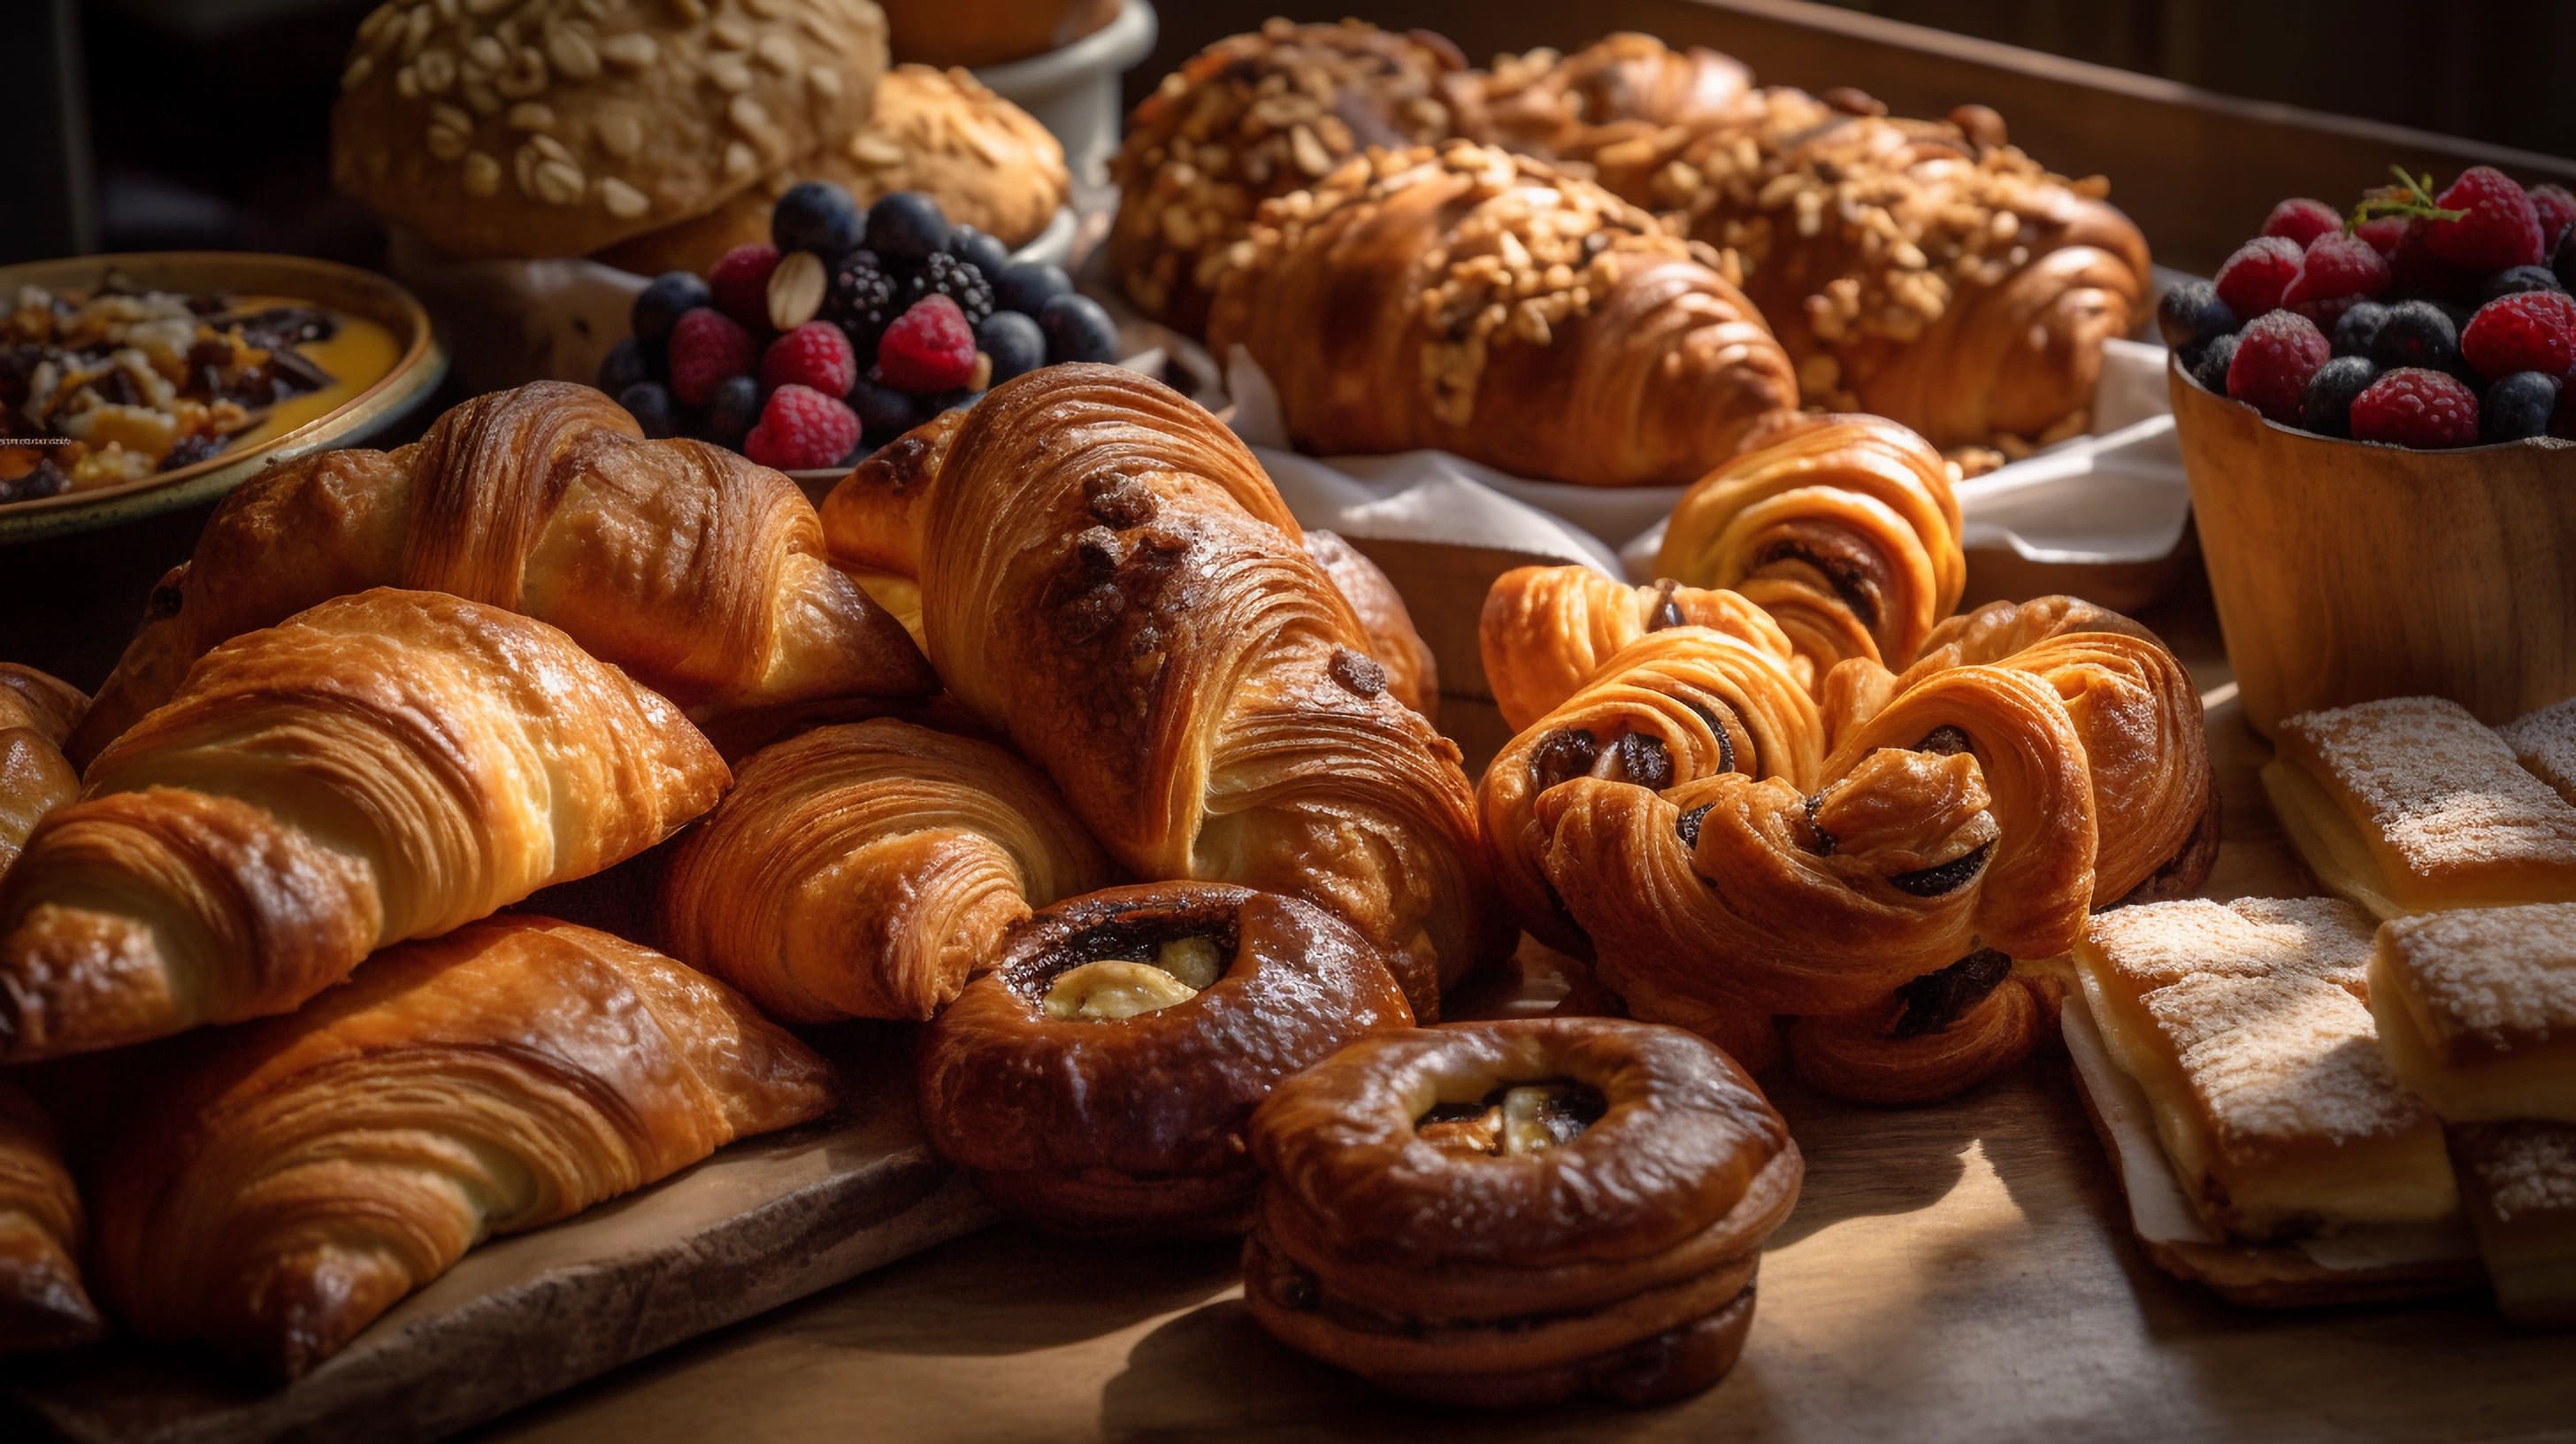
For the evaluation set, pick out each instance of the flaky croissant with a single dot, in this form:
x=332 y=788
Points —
x=1616 y=95
x=697 y=571
x=864 y=871
x=1482 y=303
x=37 y=712
x=383 y=766
x=1545 y=631
x=1844 y=528
x=281 y=1185
x=42 y=1302
x=1107 y=573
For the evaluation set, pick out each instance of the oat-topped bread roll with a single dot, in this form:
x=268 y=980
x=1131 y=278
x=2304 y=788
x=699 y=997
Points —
x=987 y=162
x=562 y=126
x=1256 y=116
x=1471 y=300
x=2477 y=1010
x=988 y=32
x=1608 y=101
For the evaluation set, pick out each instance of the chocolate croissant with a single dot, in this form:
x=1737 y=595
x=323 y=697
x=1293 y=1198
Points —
x=864 y=871
x=37 y=712
x=1482 y=303
x=698 y=572
x=281 y=1185
x=384 y=766
x=1107 y=573
x=42 y=1302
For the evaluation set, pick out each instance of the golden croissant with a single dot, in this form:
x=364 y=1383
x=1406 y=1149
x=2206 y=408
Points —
x=42 y=1302
x=37 y=712
x=1108 y=574
x=1486 y=304
x=1610 y=98
x=701 y=574
x=1545 y=631
x=865 y=871
x=279 y=1186
x=384 y=766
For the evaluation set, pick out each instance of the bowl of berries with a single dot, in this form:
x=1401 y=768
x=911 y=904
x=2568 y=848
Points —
x=854 y=325
x=2379 y=428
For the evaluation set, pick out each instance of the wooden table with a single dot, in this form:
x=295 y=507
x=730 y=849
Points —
x=1961 y=1271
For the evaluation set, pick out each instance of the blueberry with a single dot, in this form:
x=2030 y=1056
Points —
x=1014 y=342
x=650 y=403
x=624 y=365
x=731 y=411
x=660 y=305
x=2417 y=333
x=2518 y=280
x=2358 y=327
x=1027 y=289
x=2211 y=369
x=2326 y=408
x=816 y=216
x=884 y=412
x=2518 y=406
x=989 y=255
x=2191 y=313
x=906 y=226
x=1077 y=329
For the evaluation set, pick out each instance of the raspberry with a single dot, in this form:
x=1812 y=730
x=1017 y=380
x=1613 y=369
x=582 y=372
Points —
x=2533 y=331
x=740 y=281
x=2300 y=220
x=2336 y=271
x=802 y=429
x=2383 y=232
x=2253 y=279
x=2500 y=227
x=2556 y=207
x=928 y=348
x=2414 y=407
x=707 y=347
x=814 y=355
x=2275 y=356
x=2413 y=269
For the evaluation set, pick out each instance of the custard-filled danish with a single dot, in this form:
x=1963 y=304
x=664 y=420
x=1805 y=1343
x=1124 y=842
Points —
x=1099 y=1078
x=1508 y=1215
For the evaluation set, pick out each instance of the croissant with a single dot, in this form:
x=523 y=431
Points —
x=281 y=1185
x=1488 y=305
x=1923 y=271
x=36 y=713
x=1107 y=573
x=864 y=871
x=695 y=570
x=1412 y=673
x=1843 y=528
x=1256 y=116
x=42 y=1303
x=1545 y=631
x=1614 y=96
x=383 y=766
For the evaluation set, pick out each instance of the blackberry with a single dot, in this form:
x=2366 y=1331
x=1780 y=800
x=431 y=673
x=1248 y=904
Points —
x=961 y=281
x=865 y=298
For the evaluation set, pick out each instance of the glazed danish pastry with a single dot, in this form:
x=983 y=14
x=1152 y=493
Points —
x=2477 y=1010
x=42 y=1302
x=1508 y=1215
x=696 y=571
x=1545 y=631
x=37 y=712
x=383 y=766
x=864 y=871
x=1098 y=1079
x=282 y=1184
x=1470 y=300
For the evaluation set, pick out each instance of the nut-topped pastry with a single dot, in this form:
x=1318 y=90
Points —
x=1608 y=100
x=562 y=126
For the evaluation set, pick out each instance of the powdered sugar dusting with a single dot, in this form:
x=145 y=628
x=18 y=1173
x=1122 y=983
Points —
x=2439 y=786
x=2156 y=945
x=2545 y=743
x=2523 y=1168
x=2504 y=976
x=2282 y=1061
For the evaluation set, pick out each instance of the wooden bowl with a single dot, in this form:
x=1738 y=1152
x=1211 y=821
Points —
x=2346 y=571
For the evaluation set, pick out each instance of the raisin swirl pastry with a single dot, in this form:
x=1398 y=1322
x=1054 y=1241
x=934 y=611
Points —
x=1512 y=1214
x=1486 y=304
x=1109 y=576
x=863 y=871
x=1545 y=631
x=1098 y=1079
x=37 y=712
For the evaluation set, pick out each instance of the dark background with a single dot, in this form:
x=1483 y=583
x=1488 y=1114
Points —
x=206 y=118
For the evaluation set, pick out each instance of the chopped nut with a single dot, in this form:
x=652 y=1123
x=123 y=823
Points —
x=796 y=290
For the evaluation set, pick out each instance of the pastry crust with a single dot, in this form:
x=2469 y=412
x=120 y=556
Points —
x=1597 y=1231
x=1098 y=1121
x=1412 y=674
x=987 y=162
x=384 y=766
x=1470 y=300
x=42 y=1302
x=1608 y=100
x=864 y=871
x=698 y=572
x=285 y=1183
x=37 y=714
x=2411 y=804
x=1546 y=631
x=2518 y=1181
x=558 y=128
x=2477 y=1010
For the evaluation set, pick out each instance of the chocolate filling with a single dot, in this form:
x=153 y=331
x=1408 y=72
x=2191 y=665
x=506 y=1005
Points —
x=1936 y=1000
x=1821 y=842
x=1725 y=744
x=1642 y=759
x=1850 y=568
x=1688 y=826
x=1562 y=755
x=1666 y=612
x=1947 y=877
x=1943 y=742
